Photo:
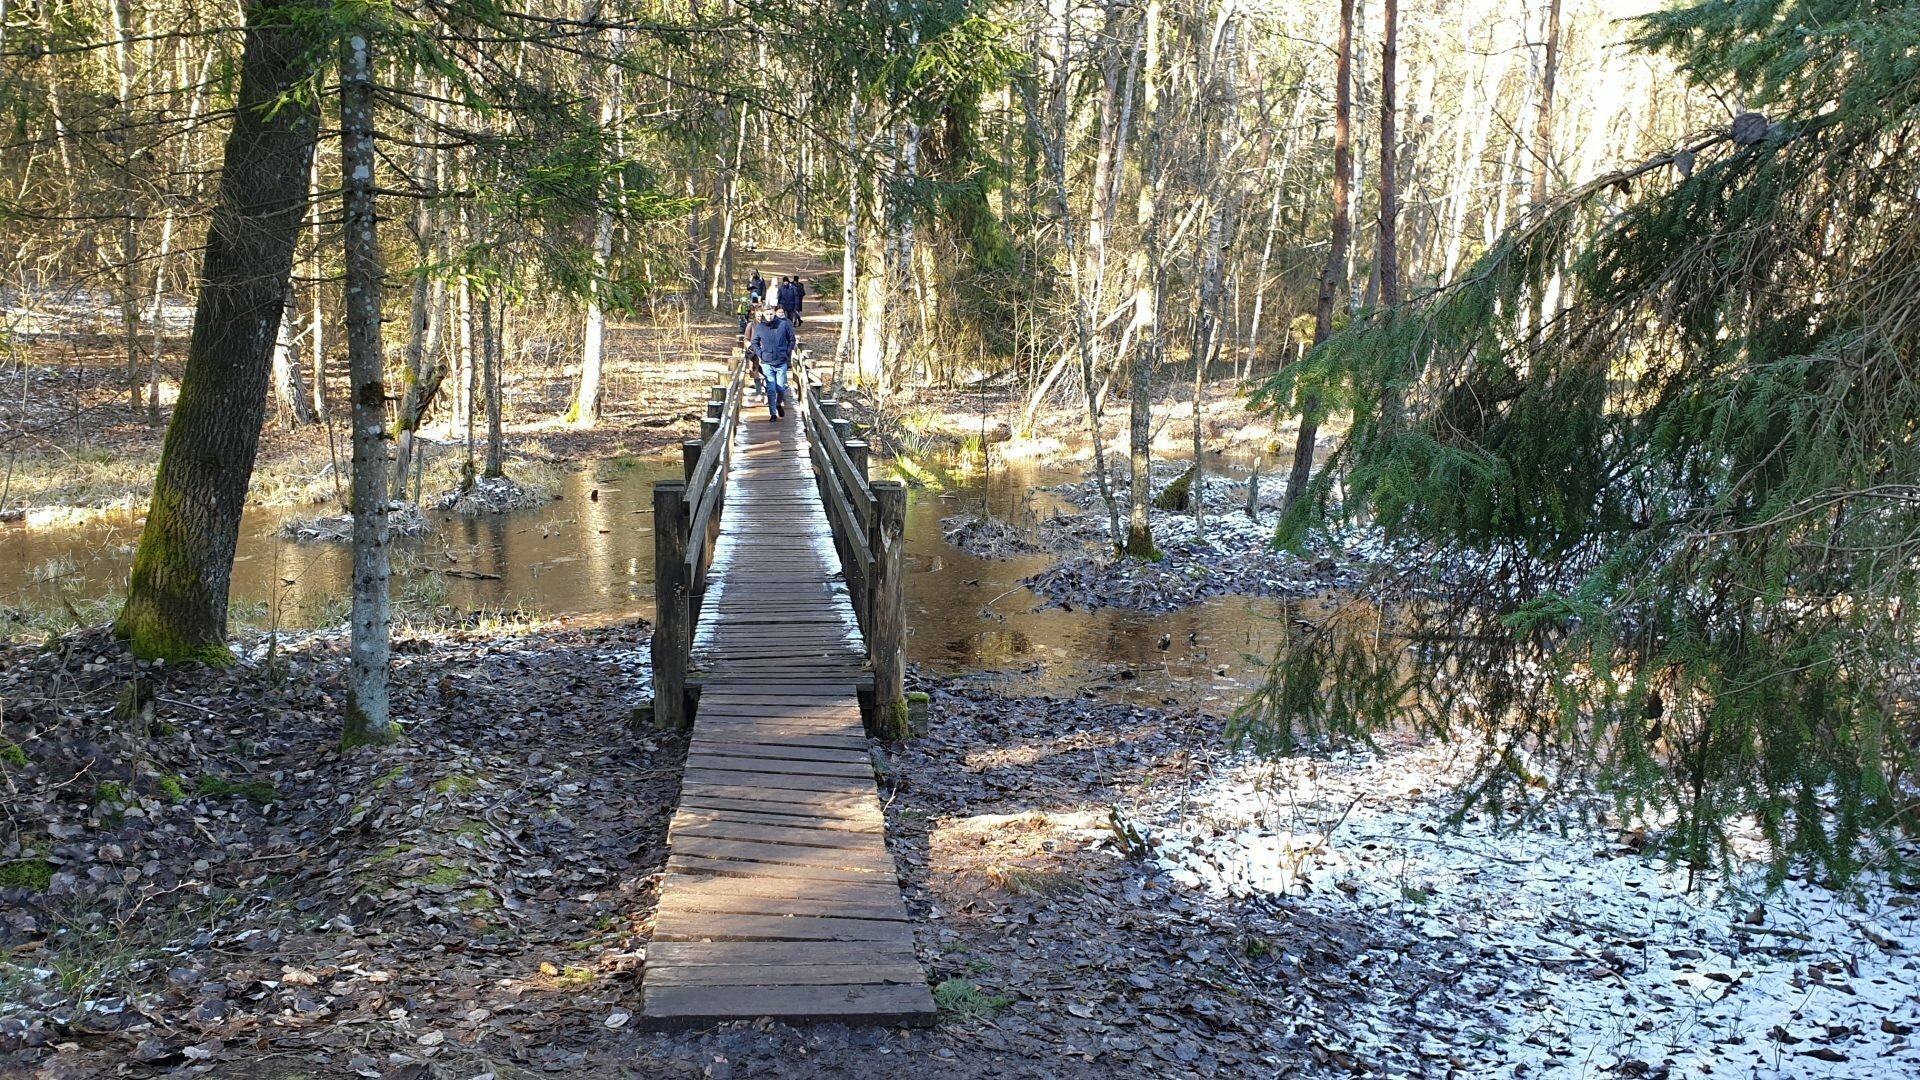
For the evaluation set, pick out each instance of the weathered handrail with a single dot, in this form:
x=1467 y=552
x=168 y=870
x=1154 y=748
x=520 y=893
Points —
x=869 y=528
x=686 y=521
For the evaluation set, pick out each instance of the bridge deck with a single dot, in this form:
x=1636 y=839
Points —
x=780 y=897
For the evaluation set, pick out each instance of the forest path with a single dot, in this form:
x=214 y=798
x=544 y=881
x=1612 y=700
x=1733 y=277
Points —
x=780 y=897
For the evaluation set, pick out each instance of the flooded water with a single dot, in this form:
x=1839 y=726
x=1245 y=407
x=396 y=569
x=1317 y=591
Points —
x=589 y=553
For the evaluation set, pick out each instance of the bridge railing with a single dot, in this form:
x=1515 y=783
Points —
x=686 y=523
x=869 y=519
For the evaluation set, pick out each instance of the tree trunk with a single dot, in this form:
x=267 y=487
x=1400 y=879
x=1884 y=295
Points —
x=850 y=254
x=491 y=331
x=367 y=717
x=289 y=398
x=317 y=335
x=177 y=596
x=1150 y=302
x=1543 y=120
x=122 y=18
x=1333 y=277
x=586 y=403
x=424 y=371
x=1389 y=164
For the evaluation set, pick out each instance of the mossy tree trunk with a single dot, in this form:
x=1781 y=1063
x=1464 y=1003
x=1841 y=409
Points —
x=177 y=597
x=367 y=713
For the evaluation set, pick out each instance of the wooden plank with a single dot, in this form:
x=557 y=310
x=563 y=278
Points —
x=854 y=820
x=810 y=801
x=739 y=826
x=703 y=758
x=832 y=785
x=873 y=859
x=848 y=904
x=687 y=863
x=692 y=1006
x=765 y=954
x=711 y=743
x=713 y=927
x=817 y=975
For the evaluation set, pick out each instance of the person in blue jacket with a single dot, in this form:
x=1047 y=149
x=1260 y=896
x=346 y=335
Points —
x=773 y=343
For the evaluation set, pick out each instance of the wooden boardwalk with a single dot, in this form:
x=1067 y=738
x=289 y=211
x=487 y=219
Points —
x=780 y=897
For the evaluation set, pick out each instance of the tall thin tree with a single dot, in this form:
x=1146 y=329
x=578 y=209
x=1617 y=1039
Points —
x=1333 y=276
x=367 y=718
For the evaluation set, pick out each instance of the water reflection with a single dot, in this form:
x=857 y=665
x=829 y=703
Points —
x=587 y=552
x=590 y=553
x=970 y=616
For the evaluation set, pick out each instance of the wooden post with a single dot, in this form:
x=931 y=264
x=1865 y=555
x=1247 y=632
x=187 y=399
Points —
x=887 y=625
x=857 y=450
x=843 y=430
x=690 y=457
x=830 y=408
x=672 y=617
x=718 y=392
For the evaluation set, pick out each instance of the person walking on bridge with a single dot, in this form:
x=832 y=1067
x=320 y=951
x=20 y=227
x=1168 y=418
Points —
x=773 y=343
x=757 y=287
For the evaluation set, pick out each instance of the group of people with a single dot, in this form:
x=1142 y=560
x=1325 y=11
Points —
x=770 y=341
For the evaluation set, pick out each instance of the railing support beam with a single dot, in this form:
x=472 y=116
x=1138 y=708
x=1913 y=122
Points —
x=887 y=619
x=672 y=619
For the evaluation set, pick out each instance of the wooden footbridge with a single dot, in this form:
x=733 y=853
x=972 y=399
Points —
x=778 y=639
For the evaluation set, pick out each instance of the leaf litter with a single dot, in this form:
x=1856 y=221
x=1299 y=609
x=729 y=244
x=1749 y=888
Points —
x=1105 y=888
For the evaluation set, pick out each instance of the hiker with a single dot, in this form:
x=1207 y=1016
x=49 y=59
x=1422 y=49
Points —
x=773 y=343
x=757 y=287
x=787 y=298
x=745 y=311
x=799 y=295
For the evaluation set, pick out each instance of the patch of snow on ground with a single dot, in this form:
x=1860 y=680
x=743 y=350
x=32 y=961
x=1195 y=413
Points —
x=1571 y=955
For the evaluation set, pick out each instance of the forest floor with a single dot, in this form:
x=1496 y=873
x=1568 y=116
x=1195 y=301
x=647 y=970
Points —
x=195 y=880
x=203 y=884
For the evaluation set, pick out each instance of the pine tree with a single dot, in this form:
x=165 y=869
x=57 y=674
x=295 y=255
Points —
x=1689 y=491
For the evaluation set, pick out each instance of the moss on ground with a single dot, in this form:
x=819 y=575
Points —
x=219 y=787
x=31 y=873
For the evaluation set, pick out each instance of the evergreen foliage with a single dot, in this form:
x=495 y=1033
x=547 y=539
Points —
x=1691 y=492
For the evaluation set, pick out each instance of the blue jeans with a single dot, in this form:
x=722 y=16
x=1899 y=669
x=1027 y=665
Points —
x=776 y=387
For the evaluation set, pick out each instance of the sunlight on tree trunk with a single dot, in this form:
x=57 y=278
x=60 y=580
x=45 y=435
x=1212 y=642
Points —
x=177 y=595
x=367 y=719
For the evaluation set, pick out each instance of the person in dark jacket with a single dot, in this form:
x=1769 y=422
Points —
x=757 y=287
x=773 y=343
x=799 y=295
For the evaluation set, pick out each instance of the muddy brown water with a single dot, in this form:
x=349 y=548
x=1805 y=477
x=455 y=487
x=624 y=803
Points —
x=589 y=553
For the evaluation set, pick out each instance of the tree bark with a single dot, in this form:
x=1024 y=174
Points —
x=1389 y=163
x=177 y=596
x=492 y=329
x=1333 y=278
x=1151 y=302
x=1543 y=120
x=367 y=718
x=425 y=370
x=290 y=400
